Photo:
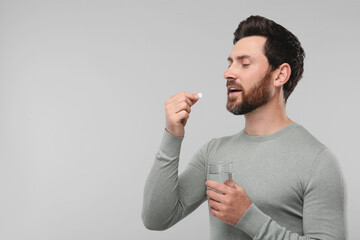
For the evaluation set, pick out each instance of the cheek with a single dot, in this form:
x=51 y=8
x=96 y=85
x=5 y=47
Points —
x=251 y=79
x=252 y=73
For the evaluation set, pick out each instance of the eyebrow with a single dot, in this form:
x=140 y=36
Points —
x=230 y=59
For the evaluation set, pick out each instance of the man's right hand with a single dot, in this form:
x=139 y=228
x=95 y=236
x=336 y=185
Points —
x=177 y=109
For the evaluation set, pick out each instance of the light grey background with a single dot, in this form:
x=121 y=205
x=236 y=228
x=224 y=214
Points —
x=82 y=91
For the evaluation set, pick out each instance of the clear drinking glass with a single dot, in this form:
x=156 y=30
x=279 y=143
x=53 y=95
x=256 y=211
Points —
x=220 y=172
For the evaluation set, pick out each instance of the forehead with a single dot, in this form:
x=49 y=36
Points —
x=249 y=46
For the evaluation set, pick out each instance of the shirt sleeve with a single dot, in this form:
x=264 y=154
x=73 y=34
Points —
x=323 y=212
x=169 y=197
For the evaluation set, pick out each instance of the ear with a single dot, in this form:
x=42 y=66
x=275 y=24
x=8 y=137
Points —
x=282 y=74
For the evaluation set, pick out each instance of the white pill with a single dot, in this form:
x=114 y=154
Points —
x=200 y=95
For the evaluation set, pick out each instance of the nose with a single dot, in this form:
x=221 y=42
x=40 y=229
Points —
x=229 y=74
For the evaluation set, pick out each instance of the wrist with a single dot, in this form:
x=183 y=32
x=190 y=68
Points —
x=252 y=221
x=175 y=132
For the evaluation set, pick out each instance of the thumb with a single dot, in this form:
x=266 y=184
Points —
x=194 y=97
x=232 y=183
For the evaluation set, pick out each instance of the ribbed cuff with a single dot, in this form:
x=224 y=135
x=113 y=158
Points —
x=170 y=145
x=252 y=221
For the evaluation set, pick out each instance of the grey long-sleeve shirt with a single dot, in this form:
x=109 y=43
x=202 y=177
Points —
x=292 y=179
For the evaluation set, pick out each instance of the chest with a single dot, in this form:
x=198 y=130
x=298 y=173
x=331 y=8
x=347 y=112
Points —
x=272 y=179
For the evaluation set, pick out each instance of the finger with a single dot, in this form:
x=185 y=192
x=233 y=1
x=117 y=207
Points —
x=189 y=102
x=214 y=195
x=215 y=212
x=214 y=204
x=230 y=183
x=183 y=115
x=233 y=184
x=193 y=97
x=184 y=121
x=218 y=186
x=183 y=106
x=184 y=97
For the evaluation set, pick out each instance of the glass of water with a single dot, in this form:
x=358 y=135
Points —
x=220 y=172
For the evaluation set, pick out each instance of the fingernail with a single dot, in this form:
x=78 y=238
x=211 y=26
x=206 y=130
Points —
x=200 y=95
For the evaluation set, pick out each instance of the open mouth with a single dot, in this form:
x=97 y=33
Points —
x=234 y=90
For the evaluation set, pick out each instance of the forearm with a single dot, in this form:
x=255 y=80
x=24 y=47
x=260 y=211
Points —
x=259 y=226
x=169 y=197
x=160 y=194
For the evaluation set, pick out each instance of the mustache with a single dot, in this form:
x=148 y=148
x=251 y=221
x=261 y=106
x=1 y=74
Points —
x=231 y=83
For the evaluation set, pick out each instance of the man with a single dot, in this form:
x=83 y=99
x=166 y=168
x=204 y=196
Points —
x=287 y=184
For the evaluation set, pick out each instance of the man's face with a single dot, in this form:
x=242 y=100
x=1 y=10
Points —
x=248 y=76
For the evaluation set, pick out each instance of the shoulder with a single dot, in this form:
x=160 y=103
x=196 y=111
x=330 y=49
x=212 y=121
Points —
x=303 y=146
x=304 y=138
x=314 y=155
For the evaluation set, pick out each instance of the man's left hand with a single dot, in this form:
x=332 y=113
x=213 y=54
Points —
x=229 y=203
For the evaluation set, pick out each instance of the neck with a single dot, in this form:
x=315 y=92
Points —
x=267 y=119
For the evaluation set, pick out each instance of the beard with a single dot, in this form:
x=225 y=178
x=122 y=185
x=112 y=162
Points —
x=252 y=99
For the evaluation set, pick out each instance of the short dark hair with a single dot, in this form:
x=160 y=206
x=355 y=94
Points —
x=281 y=47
